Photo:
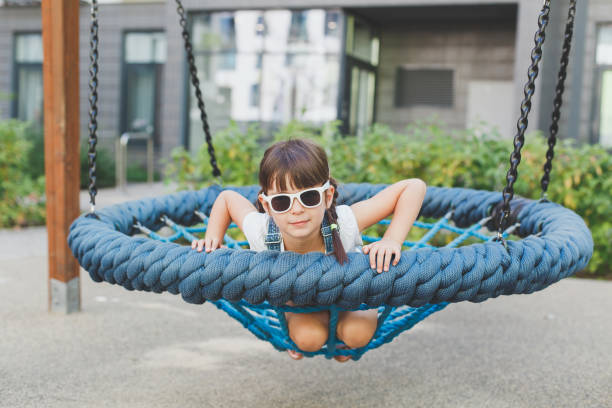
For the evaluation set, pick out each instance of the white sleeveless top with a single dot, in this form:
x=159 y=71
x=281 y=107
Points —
x=255 y=228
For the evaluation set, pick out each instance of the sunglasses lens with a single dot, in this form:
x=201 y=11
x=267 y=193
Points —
x=310 y=198
x=281 y=203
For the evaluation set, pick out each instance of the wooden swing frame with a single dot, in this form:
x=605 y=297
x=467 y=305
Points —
x=60 y=35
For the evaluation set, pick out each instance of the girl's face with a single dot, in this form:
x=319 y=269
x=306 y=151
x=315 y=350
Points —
x=299 y=222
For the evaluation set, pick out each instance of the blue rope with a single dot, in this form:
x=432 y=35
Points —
x=424 y=275
x=255 y=287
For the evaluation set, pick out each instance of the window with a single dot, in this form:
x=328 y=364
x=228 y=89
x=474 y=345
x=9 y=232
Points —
x=227 y=28
x=289 y=57
x=267 y=66
x=432 y=87
x=362 y=42
x=254 y=97
x=357 y=107
x=332 y=23
x=298 y=31
x=145 y=48
x=260 y=26
x=144 y=54
x=226 y=61
x=604 y=45
x=28 y=81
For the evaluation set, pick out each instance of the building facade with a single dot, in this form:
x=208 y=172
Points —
x=267 y=62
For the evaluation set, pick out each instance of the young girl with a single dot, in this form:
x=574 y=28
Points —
x=296 y=210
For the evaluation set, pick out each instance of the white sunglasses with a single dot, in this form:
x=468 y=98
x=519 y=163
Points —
x=309 y=198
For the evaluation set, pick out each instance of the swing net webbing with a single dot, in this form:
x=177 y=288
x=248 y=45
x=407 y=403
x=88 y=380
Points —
x=267 y=322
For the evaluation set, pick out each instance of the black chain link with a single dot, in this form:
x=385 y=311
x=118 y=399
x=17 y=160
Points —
x=93 y=102
x=193 y=71
x=558 y=101
x=519 y=139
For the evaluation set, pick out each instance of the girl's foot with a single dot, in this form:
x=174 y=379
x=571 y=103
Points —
x=342 y=359
x=294 y=354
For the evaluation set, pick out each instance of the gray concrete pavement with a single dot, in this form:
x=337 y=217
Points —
x=134 y=191
x=136 y=349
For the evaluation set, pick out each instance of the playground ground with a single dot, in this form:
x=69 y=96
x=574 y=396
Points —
x=136 y=349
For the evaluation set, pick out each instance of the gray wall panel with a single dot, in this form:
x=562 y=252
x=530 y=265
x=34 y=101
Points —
x=474 y=50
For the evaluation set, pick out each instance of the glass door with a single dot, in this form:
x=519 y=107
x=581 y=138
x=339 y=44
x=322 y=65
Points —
x=361 y=62
x=361 y=83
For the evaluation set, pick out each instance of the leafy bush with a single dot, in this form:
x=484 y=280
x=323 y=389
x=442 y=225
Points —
x=105 y=164
x=581 y=178
x=21 y=195
x=36 y=153
x=238 y=154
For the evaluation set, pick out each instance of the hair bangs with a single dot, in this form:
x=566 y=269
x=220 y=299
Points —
x=294 y=164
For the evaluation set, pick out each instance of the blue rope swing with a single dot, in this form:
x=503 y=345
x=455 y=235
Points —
x=255 y=287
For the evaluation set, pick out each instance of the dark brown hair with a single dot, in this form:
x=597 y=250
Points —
x=304 y=164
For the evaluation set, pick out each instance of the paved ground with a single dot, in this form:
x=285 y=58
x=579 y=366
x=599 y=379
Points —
x=134 y=191
x=135 y=349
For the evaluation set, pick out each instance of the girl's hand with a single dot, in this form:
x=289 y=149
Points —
x=381 y=253
x=208 y=244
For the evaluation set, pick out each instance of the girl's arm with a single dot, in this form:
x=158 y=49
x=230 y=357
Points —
x=229 y=206
x=402 y=199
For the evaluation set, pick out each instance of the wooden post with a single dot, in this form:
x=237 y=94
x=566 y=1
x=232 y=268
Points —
x=60 y=33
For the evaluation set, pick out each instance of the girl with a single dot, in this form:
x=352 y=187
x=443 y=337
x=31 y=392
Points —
x=296 y=211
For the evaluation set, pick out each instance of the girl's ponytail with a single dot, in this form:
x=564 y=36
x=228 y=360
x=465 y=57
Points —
x=332 y=219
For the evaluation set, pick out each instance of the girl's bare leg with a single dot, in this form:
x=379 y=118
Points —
x=309 y=331
x=356 y=328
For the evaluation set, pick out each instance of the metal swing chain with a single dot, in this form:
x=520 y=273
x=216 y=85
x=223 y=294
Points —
x=558 y=101
x=519 y=139
x=193 y=71
x=93 y=104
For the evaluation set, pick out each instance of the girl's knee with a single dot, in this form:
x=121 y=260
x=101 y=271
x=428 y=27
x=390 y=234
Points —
x=357 y=331
x=308 y=335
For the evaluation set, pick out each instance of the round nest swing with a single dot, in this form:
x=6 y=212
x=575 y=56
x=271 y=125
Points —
x=254 y=288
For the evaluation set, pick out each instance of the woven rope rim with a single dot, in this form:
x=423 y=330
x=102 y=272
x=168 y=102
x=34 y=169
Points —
x=104 y=247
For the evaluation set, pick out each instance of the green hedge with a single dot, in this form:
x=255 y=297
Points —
x=581 y=178
x=21 y=195
x=22 y=173
x=105 y=163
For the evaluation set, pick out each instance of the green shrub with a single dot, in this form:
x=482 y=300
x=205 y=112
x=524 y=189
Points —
x=36 y=153
x=581 y=178
x=105 y=164
x=238 y=154
x=21 y=196
x=138 y=174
